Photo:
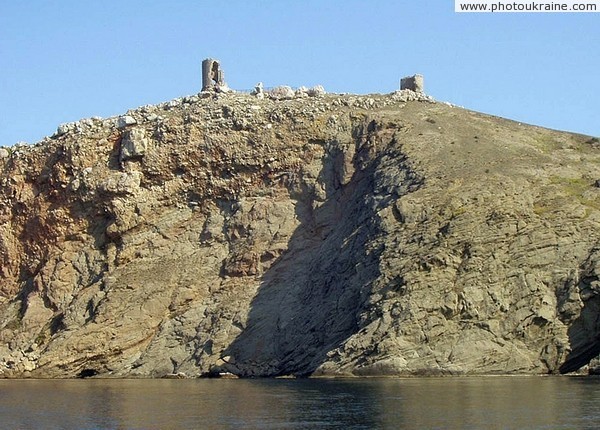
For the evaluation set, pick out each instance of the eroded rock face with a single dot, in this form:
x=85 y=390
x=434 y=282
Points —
x=338 y=235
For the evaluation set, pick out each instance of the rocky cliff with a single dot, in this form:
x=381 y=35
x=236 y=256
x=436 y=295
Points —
x=331 y=235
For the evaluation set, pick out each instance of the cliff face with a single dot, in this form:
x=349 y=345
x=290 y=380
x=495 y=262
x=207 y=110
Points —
x=337 y=235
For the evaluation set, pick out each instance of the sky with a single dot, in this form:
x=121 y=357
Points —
x=64 y=60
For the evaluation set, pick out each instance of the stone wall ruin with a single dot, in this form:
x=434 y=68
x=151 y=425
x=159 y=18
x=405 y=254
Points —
x=212 y=75
x=414 y=83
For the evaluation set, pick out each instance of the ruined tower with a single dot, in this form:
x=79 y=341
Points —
x=414 y=83
x=212 y=75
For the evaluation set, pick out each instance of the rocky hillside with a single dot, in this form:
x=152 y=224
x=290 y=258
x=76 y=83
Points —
x=329 y=235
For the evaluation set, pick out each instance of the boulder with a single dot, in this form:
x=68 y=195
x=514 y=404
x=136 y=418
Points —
x=316 y=91
x=133 y=144
x=281 y=92
x=126 y=120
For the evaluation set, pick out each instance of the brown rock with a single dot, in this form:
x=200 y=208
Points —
x=338 y=235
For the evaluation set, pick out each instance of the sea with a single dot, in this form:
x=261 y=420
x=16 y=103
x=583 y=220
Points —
x=516 y=402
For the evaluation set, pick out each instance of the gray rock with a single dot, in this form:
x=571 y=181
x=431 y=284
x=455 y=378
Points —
x=64 y=128
x=126 y=120
x=281 y=92
x=87 y=122
x=407 y=95
x=258 y=91
x=301 y=92
x=317 y=91
x=134 y=144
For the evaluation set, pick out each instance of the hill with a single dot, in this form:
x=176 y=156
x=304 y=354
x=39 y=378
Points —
x=331 y=235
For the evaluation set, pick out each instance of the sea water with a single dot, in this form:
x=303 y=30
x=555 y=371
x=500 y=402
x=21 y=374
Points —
x=380 y=403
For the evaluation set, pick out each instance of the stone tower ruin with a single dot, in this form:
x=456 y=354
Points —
x=212 y=75
x=414 y=83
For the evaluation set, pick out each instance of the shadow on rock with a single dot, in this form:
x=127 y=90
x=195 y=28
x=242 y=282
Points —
x=584 y=332
x=311 y=299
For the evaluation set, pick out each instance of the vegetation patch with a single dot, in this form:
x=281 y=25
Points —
x=572 y=186
x=546 y=143
x=573 y=190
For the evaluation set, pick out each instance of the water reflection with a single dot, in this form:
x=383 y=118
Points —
x=490 y=402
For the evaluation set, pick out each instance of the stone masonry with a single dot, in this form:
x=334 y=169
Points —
x=212 y=75
x=414 y=83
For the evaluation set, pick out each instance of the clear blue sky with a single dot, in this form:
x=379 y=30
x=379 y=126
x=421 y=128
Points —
x=63 y=60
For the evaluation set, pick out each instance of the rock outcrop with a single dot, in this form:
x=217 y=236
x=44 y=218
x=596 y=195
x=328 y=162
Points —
x=330 y=235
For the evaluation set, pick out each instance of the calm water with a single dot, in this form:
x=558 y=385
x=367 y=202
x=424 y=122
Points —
x=423 y=403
